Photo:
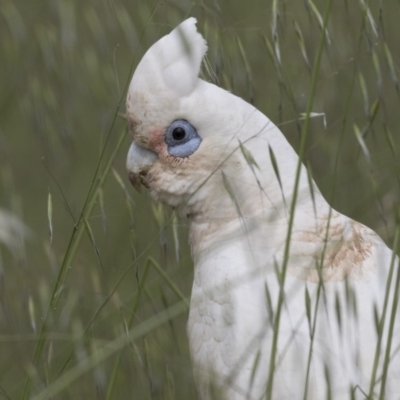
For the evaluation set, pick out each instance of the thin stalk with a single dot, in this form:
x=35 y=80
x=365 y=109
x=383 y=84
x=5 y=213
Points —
x=98 y=311
x=135 y=306
x=304 y=135
x=169 y=281
x=110 y=349
x=383 y=317
x=69 y=255
x=174 y=288
x=76 y=235
x=332 y=197
x=390 y=332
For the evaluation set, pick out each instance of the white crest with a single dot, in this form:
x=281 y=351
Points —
x=174 y=61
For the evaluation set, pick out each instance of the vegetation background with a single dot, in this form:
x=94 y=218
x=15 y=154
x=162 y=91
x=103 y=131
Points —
x=93 y=304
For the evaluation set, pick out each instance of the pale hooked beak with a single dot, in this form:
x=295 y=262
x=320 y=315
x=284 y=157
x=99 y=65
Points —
x=138 y=162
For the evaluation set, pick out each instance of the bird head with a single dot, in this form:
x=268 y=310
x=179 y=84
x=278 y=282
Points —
x=188 y=134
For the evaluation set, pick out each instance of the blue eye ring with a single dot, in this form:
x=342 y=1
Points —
x=182 y=138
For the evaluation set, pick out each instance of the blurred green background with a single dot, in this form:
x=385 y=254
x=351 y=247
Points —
x=71 y=292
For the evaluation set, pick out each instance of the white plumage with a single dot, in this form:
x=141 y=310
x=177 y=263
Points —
x=238 y=228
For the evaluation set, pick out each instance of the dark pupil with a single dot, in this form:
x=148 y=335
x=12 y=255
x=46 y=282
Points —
x=178 y=133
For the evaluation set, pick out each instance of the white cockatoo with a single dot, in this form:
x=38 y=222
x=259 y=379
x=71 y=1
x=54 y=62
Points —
x=317 y=323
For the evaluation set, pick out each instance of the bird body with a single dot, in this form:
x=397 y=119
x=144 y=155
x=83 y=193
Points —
x=223 y=164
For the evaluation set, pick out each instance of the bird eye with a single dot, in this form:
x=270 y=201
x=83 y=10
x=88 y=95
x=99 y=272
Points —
x=178 y=134
x=182 y=138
